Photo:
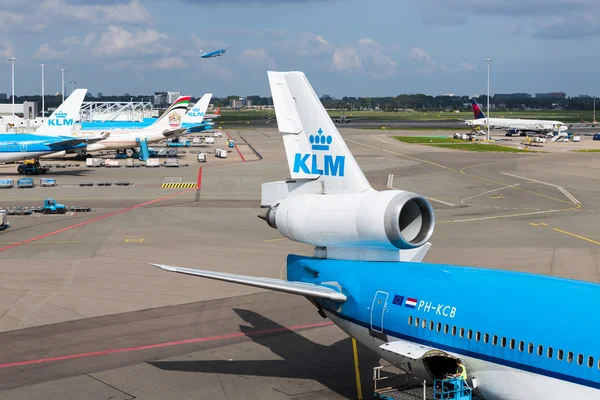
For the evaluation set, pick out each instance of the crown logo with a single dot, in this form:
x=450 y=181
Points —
x=61 y=114
x=320 y=141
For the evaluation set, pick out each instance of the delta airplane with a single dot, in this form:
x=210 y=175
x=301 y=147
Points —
x=54 y=134
x=168 y=125
x=216 y=53
x=521 y=336
x=195 y=120
x=514 y=125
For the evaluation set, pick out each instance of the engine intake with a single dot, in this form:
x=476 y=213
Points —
x=388 y=220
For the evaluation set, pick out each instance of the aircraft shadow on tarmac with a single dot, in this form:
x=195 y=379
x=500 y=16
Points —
x=331 y=366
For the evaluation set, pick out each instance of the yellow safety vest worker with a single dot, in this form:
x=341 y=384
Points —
x=462 y=371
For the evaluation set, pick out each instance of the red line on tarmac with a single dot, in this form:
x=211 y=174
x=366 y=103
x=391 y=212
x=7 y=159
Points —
x=164 y=344
x=89 y=221
x=235 y=145
x=199 y=182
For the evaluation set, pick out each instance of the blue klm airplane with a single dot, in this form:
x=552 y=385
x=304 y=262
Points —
x=51 y=137
x=521 y=336
x=216 y=53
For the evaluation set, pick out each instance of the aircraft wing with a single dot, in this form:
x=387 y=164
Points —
x=408 y=349
x=95 y=139
x=173 y=132
x=280 y=285
x=67 y=142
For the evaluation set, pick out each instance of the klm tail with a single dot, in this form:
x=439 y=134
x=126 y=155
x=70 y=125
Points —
x=201 y=52
x=196 y=114
x=315 y=149
x=477 y=110
x=61 y=122
x=173 y=117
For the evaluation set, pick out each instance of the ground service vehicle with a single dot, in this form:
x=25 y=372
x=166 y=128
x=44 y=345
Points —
x=52 y=207
x=31 y=167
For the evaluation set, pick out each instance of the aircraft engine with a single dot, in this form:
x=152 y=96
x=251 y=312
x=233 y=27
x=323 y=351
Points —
x=388 y=220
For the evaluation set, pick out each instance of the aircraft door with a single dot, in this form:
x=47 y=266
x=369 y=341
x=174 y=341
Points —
x=378 y=309
x=23 y=147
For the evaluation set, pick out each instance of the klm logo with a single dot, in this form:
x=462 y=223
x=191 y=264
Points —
x=195 y=112
x=60 y=120
x=316 y=163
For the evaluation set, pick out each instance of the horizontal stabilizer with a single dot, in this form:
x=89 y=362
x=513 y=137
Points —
x=407 y=349
x=299 y=288
x=65 y=143
x=173 y=132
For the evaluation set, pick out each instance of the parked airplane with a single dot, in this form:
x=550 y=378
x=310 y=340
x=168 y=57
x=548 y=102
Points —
x=521 y=336
x=190 y=120
x=216 y=53
x=166 y=126
x=54 y=134
x=514 y=125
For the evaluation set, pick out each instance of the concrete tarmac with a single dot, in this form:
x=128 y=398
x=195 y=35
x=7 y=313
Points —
x=79 y=284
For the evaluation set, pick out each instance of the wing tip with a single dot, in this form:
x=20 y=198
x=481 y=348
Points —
x=165 y=267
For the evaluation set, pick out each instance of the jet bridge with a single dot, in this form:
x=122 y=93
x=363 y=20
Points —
x=104 y=111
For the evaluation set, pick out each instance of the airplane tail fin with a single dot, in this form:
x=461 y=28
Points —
x=173 y=117
x=61 y=122
x=315 y=149
x=201 y=52
x=218 y=112
x=477 y=110
x=196 y=114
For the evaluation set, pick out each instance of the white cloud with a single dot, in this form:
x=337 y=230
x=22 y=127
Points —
x=131 y=12
x=168 y=63
x=425 y=61
x=468 y=67
x=208 y=45
x=346 y=59
x=258 y=58
x=377 y=63
x=46 y=52
x=116 y=41
x=6 y=48
x=311 y=45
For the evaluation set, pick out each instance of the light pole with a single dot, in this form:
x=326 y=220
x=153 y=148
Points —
x=62 y=74
x=72 y=85
x=487 y=115
x=594 y=115
x=12 y=68
x=43 y=108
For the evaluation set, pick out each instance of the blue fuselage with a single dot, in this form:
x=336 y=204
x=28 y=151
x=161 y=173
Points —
x=543 y=325
x=15 y=147
x=107 y=125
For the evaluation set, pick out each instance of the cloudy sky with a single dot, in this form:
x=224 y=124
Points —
x=346 y=47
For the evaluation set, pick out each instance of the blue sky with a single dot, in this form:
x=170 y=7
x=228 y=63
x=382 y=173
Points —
x=346 y=47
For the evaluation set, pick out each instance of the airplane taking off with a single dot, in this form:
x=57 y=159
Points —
x=521 y=336
x=216 y=53
x=168 y=125
x=514 y=125
x=54 y=134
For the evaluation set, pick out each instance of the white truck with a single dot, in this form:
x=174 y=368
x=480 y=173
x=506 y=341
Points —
x=111 y=163
x=221 y=153
x=171 y=162
x=94 y=162
x=153 y=163
x=4 y=224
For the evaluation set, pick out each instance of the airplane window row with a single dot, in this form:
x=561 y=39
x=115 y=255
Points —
x=503 y=342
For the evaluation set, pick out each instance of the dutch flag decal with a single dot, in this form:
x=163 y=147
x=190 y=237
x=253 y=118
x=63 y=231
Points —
x=410 y=302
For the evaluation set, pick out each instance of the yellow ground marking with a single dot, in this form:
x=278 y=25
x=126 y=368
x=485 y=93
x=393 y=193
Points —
x=543 y=224
x=357 y=370
x=274 y=240
x=577 y=236
x=134 y=240
x=497 y=197
x=532 y=224
x=503 y=216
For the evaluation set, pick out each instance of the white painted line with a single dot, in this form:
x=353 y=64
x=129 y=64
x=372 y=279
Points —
x=568 y=195
x=489 y=191
x=441 y=202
